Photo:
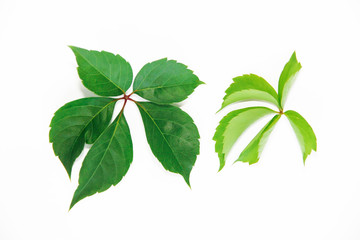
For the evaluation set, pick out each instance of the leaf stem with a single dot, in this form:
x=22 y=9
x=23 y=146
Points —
x=132 y=93
x=125 y=98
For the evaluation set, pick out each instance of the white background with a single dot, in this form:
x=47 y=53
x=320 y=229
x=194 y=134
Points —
x=277 y=198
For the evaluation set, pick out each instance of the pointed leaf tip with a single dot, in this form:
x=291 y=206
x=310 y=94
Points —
x=222 y=161
x=187 y=180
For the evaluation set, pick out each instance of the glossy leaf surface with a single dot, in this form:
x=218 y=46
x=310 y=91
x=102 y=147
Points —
x=165 y=81
x=253 y=150
x=172 y=135
x=103 y=73
x=287 y=78
x=303 y=131
x=233 y=125
x=107 y=161
x=250 y=87
x=76 y=122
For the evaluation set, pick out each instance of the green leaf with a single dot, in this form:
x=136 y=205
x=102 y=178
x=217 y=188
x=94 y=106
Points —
x=107 y=161
x=103 y=73
x=303 y=131
x=76 y=122
x=252 y=152
x=287 y=78
x=250 y=87
x=165 y=81
x=172 y=135
x=233 y=125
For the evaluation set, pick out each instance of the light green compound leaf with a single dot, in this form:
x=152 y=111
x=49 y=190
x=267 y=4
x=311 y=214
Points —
x=102 y=72
x=232 y=126
x=287 y=78
x=303 y=131
x=107 y=161
x=252 y=152
x=250 y=87
x=165 y=81
x=78 y=122
x=172 y=135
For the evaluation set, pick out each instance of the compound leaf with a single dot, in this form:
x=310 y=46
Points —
x=76 y=122
x=250 y=87
x=107 y=161
x=303 y=131
x=287 y=78
x=172 y=135
x=252 y=152
x=232 y=126
x=165 y=81
x=103 y=73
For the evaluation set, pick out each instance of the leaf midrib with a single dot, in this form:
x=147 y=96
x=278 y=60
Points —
x=102 y=158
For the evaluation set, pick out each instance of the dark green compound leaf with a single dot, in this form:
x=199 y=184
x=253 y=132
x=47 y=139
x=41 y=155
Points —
x=287 y=78
x=103 y=73
x=107 y=161
x=253 y=150
x=172 y=135
x=165 y=81
x=78 y=122
x=303 y=131
x=233 y=125
x=250 y=87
